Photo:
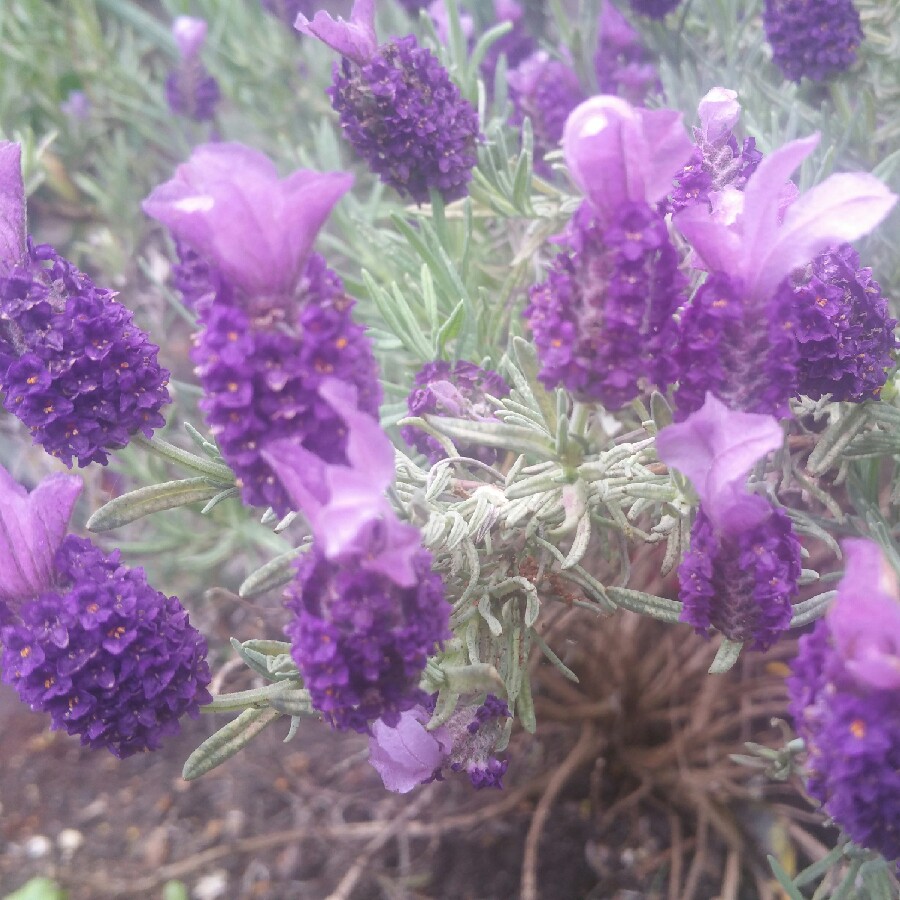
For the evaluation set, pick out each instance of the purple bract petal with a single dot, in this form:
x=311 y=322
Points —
x=865 y=618
x=189 y=34
x=618 y=153
x=715 y=448
x=719 y=112
x=355 y=39
x=12 y=205
x=228 y=203
x=407 y=755
x=32 y=526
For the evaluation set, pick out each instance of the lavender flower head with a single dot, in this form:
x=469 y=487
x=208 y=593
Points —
x=845 y=335
x=367 y=608
x=190 y=90
x=622 y=63
x=812 y=38
x=276 y=320
x=544 y=90
x=74 y=367
x=743 y=566
x=603 y=321
x=85 y=638
x=456 y=390
x=407 y=754
x=718 y=162
x=398 y=107
x=737 y=335
x=844 y=690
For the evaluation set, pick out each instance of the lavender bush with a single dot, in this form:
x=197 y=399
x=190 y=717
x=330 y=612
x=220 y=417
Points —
x=497 y=320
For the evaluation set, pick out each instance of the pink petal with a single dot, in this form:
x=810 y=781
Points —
x=12 y=205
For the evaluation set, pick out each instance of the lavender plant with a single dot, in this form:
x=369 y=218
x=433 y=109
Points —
x=595 y=336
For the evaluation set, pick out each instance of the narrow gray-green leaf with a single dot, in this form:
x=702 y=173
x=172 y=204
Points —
x=726 y=656
x=154 y=498
x=227 y=741
x=273 y=574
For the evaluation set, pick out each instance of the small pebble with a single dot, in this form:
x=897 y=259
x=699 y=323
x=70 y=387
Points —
x=212 y=886
x=37 y=846
x=69 y=840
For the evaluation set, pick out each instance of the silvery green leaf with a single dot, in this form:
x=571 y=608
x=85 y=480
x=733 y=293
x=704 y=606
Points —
x=275 y=573
x=784 y=879
x=726 y=656
x=154 y=498
x=660 y=411
x=561 y=667
x=294 y=728
x=876 y=880
x=491 y=434
x=835 y=439
x=222 y=495
x=449 y=329
x=647 y=604
x=579 y=543
x=443 y=708
x=429 y=429
x=528 y=364
x=484 y=607
x=473 y=629
x=293 y=701
x=524 y=708
x=217 y=472
x=808 y=576
x=253 y=698
x=811 y=609
x=543 y=481
x=259 y=654
x=227 y=741
x=473 y=679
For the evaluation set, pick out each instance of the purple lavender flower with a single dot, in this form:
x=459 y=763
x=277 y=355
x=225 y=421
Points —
x=86 y=638
x=229 y=205
x=73 y=365
x=603 y=320
x=732 y=340
x=544 y=90
x=622 y=63
x=812 y=38
x=360 y=639
x=844 y=691
x=844 y=333
x=32 y=527
x=107 y=656
x=655 y=9
x=406 y=754
x=717 y=162
x=457 y=391
x=76 y=106
x=196 y=279
x=398 y=107
x=276 y=320
x=190 y=90
x=743 y=566
x=368 y=609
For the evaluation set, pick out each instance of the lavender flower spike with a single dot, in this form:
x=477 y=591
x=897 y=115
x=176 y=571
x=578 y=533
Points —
x=229 y=205
x=355 y=39
x=12 y=206
x=757 y=249
x=32 y=526
x=618 y=153
x=715 y=448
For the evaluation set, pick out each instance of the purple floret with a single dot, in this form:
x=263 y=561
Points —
x=261 y=364
x=404 y=115
x=844 y=333
x=361 y=640
x=713 y=167
x=107 y=656
x=195 y=278
x=741 y=583
x=74 y=367
x=812 y=38
x=192 y=92
x=456 y=390
x=602 y=321
x=742 y=351
x=852 y=735
x=544 y=90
